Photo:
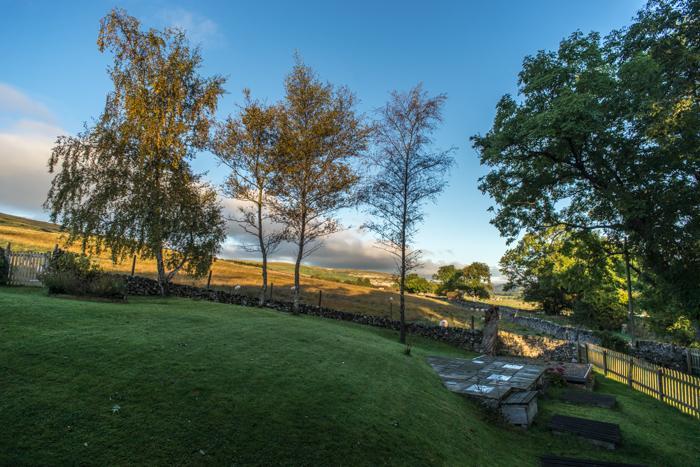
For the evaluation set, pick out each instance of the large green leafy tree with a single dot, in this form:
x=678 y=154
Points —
x=606 y=136
x=564 y=271
x=125 y=183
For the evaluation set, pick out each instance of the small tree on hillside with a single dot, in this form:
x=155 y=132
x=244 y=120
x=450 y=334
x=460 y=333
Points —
x=320 y=136
x=248 y=145
x=409 y=174
x=473 y=279
x=476 y=280
x=126 y=183
x=418 y=284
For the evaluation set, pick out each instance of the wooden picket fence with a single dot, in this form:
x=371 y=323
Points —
x=25 y=267
x=673 y=387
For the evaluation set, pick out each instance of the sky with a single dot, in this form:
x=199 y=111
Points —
x=53 y=80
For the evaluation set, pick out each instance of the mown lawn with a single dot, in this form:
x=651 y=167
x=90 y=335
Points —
x=168 y=381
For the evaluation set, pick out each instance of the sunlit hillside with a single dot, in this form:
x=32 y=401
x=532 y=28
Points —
x=338 y=286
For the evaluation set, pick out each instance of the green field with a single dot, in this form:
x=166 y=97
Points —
x=172 y=381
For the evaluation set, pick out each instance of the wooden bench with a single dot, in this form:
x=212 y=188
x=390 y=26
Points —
x=556 y=461
x=578 y=396
x=600 y=433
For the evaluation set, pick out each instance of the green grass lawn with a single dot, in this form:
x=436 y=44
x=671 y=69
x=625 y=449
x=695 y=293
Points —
x=169 y=381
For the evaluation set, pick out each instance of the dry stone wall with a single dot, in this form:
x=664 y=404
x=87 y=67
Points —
x=659 y=353
x=459 y=337
x=668 y=355
x=561 y=346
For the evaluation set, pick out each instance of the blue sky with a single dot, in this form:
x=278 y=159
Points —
x=52 y=79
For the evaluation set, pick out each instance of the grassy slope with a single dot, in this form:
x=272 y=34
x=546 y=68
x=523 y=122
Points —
x=26 y=234
x=200 y=382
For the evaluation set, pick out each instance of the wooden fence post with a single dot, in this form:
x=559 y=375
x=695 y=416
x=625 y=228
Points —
x=472 y=322
x=689 y=361
x=660 y=379
x=133 y=266
x=8 y=253
x=578 y=352
x=272 y=284
x=320 y=295
x=587 y=357
x=209 y=279
x=605 y=362
x=629 y=373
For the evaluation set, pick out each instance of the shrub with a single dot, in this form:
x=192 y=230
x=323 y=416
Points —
x=106 y=286
x=454 y=295
x=682 y=331
x=555 y=376
x=73 y=274
x=612 y=341
x=364 y=281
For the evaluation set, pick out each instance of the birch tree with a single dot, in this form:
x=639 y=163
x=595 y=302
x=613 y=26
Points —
x=248 y=145
x=125 y=183
x=321 y=138
x=409 y=174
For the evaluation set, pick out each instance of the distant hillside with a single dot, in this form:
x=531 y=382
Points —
x=16 y=221
x=367 y=292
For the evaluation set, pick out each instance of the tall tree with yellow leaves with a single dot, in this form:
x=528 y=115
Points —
x=125 y=183
x=321 y=138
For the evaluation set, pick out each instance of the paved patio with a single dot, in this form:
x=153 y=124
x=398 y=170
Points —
x=489 y=378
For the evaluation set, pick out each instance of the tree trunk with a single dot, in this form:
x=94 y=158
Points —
x=489 y=341
x=162 y=280
x=263 y=252
x=402 y=300
x=630 y=305
x=297 y=268
x=402 y=281
x=263 y=289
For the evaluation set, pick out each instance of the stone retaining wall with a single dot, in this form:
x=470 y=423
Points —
x=558 y=331
x=567 y=333
x=659 y=353
x=540 y=347
x=668 y=355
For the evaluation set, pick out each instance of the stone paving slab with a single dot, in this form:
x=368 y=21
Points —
x=487 y=377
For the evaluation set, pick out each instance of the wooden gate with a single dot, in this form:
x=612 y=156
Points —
x=25 y=267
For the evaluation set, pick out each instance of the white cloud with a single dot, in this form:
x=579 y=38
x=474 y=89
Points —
x=26 y=138
x=351 y=248
x=199 y=29
x=14 y=102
